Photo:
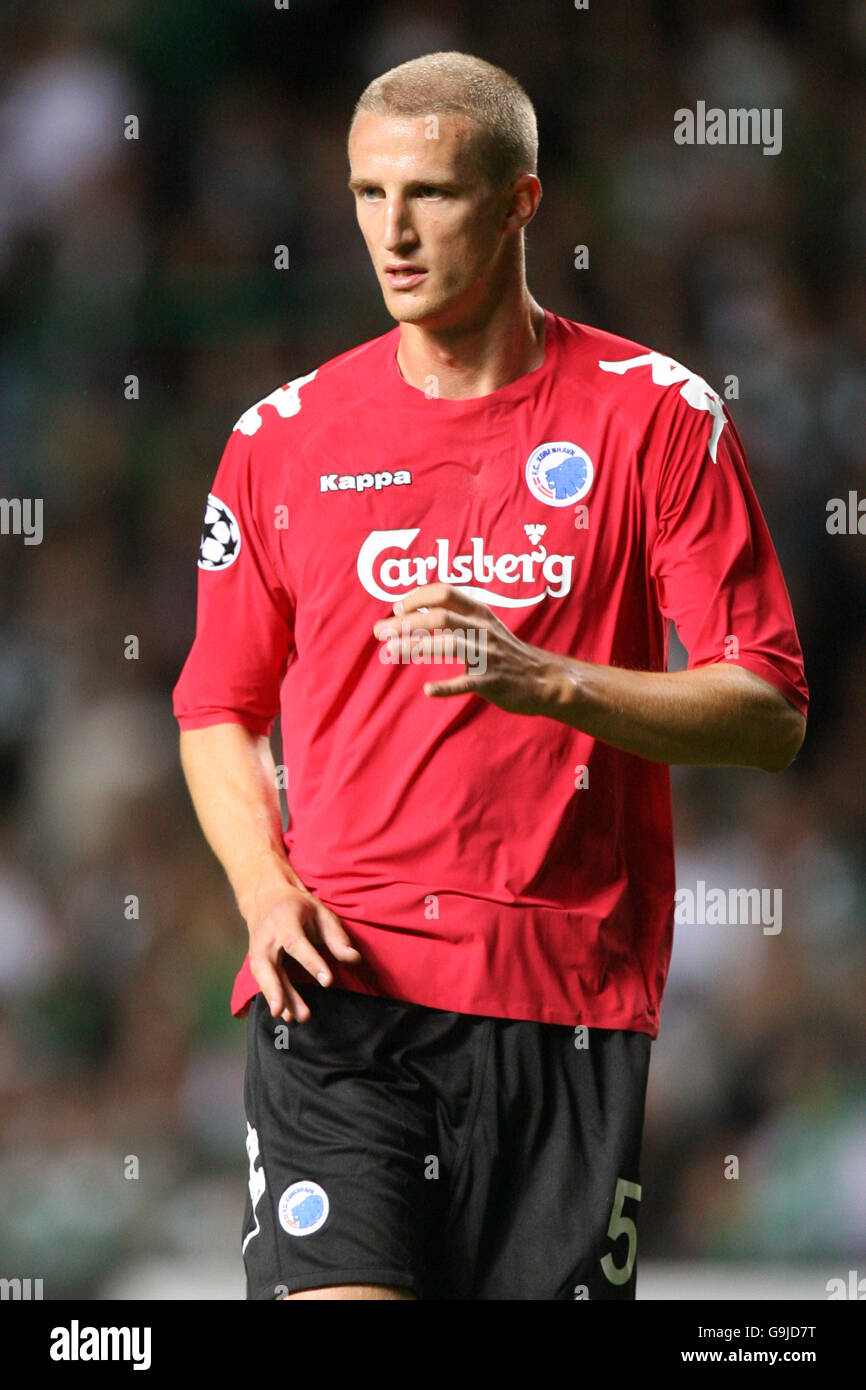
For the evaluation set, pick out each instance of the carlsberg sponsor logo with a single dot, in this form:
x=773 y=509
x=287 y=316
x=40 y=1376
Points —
x=477 y=573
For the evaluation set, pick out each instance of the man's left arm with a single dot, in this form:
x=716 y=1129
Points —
x=713 y=715
x=715 y=575
x=718 y=714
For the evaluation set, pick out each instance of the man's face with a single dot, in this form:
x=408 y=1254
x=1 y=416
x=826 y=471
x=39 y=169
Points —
x=420 y=204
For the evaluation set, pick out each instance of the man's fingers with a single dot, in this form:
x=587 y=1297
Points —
x=296 y=1005
x=284 y=1001
x=301 y=949
x=460 y=685
x=428 y=618
x=435 y=621
x=335 y=936
x=291 y=936
x=439 y=596
x=267 y=977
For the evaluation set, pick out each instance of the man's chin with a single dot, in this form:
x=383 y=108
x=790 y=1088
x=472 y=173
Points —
x=404 y=308
x=414 y=310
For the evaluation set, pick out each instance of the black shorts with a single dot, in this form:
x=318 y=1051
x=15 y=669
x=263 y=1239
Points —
x=451 y=1155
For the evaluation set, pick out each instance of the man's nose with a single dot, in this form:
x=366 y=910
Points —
x=398 y=226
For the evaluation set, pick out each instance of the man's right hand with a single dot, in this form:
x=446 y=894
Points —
x=232 y=780
x=295 y=921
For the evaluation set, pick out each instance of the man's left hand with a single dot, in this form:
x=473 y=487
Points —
x=452 y=626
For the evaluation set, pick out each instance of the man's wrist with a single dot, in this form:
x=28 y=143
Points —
x=562 y=695
x=272 y=878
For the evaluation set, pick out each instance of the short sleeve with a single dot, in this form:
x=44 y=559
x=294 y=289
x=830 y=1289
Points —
x=713 y=565
x=245 y=615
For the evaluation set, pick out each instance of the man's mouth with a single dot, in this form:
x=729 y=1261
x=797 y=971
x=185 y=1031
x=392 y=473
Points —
x=402 y=275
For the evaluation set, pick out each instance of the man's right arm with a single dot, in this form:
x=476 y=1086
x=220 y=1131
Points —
x=231 y=777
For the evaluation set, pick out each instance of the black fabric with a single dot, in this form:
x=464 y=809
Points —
x=462 y=1157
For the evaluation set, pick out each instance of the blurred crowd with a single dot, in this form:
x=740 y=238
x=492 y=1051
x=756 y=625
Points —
x=141 y=313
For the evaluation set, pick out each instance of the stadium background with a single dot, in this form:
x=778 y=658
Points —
x=155 y=257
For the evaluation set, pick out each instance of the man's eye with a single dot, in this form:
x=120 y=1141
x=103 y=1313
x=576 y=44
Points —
x=428 y=191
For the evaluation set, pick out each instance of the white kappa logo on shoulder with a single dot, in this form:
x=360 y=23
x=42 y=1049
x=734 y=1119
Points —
x=285 y=400
x=666 y=371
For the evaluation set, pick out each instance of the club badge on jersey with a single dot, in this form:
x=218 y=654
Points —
x=559 y=474
x=303 y=1208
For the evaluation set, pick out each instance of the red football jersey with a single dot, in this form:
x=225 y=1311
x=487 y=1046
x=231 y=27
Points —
x=481 y=861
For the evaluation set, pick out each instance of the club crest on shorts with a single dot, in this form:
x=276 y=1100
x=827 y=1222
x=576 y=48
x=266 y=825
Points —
x=559 y=474
x=303 y=1208
x=220 y=536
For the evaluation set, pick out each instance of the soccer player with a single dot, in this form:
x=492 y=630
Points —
x=450 y=557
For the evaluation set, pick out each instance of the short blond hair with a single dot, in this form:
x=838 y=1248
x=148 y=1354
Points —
x=460 y=84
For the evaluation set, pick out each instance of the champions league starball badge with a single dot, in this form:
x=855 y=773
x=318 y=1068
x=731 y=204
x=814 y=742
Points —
x=220 y=536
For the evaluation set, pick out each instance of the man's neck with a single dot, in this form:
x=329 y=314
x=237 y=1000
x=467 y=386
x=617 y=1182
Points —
x=460 y=363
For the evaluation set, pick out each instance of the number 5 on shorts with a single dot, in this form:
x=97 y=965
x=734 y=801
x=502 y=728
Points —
x=622 y=1226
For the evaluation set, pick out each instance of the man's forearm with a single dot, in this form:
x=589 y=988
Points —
x=231 y=777
x=713 y=715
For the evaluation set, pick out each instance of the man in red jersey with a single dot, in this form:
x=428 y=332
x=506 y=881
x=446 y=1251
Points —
x=450 y=558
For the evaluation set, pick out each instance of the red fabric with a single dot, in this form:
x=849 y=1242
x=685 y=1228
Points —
x=448 y=835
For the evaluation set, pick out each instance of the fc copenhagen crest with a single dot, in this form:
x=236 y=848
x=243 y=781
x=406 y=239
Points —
x=303 y=1208
x=559 y=474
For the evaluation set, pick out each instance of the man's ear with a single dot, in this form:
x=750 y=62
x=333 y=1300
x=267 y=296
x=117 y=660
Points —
x=524 y=198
